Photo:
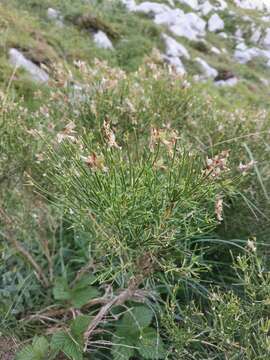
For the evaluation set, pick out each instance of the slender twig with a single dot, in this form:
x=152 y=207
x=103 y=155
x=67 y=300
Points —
x=120 y=299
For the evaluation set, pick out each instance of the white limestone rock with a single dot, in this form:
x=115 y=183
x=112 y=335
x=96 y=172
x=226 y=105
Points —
x=215 y=50
x=176 y=64
x=151 y=8
x=223 y=35
x=129 y=4
x=253 y=4
x=173 y=48
x=256 y=34
x=102 y=41
x=17 y=59
x=191 y=3
x=190 y=26
x=206 y=8
x=266 y=40
x=229 y=82
x=265 y=18
x=215 y=23
x=55 y=15
x=207 y=70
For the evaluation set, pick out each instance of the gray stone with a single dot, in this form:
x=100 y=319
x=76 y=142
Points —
x=17 y=59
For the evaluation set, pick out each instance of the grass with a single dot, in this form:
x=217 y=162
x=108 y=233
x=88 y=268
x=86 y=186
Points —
x=134 y=219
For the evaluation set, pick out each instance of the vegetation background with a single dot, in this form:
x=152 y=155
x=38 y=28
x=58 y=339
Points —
x=134 y=207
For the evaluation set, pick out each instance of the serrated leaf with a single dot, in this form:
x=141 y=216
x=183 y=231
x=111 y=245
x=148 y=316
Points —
x=40 y=347
x=79 y=325
x=85 y=281
x=133 y=322
x=62 y=341
x=27 y=353
x=120 y=352
x=72 y=349
x=80 y=297
x=150 y=345
x=61 y=290
x=140 y=315
x=58 y=340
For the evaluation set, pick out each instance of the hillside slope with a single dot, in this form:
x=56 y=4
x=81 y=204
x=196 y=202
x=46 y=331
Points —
x=223 y=41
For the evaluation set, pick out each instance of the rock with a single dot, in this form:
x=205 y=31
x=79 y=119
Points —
x=253 y=4
x=215 y=50
x=151 y=8
x=19 y=60
x=206 y=8
x=265 y=82
x=175 y=63
x=265 y=18
x=129 y=4
x=102 y=41
x=56 y=16
x=190 y=26
x=241 y=46
x=215 y=23
x=173 y=48
x=256 y=35
x=229 y=82
x=53 y=14
x=239 y=33
x=191 y=3
x=223 y=35
x=266 y=40
x=243 y=54
x=207 y=70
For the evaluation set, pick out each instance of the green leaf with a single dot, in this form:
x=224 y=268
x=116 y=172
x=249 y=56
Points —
x=82 y=296
x=140 y=315
x=120 y=352
x=73 y=350
x=61 y=290
x=27 y=353
x=85 y=281
x=79 y=325
x=37 y=351
x=134 y=321
x=150 y=345
x=40 y=347
x=62 y=341
x=58 y=340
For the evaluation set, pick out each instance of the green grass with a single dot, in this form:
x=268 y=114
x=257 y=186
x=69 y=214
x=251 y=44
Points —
x=127 y=228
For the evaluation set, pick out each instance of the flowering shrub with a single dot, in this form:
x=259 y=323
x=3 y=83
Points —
x=121 y=203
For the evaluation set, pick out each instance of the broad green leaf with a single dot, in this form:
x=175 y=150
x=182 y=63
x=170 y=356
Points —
x=140 y=315
x=120 y=352
x=85 y=281
x=27 y=353
x=61 y=290
x=58 y=340
x=134 y=321
x=40 y=347
x=80 y=297
x=150 y=345
x=73 y=350
x=79 y=325
x=62 y=341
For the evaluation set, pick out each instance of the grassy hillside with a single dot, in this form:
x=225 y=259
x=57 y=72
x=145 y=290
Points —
x=134 y=201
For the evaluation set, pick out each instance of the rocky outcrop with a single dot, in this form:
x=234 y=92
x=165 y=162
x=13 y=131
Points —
x=37 y=74
x=102 y=40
